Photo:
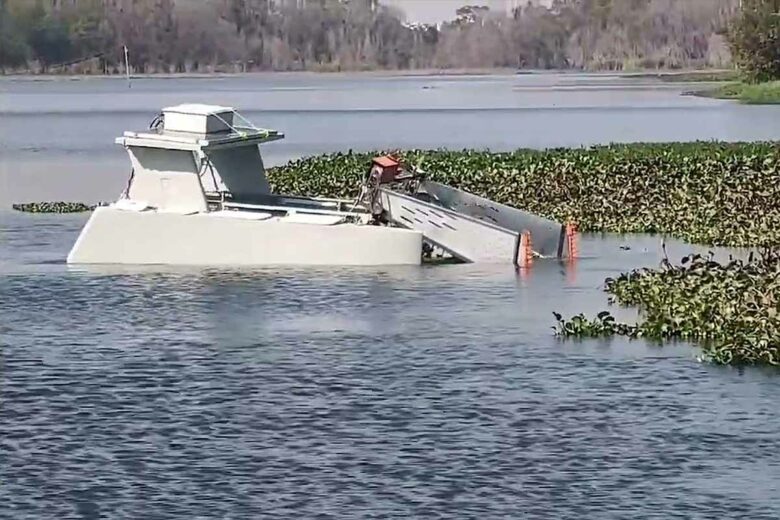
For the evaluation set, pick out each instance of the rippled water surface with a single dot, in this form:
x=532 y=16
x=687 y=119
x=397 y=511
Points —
x=425 y=392
x=396 y=392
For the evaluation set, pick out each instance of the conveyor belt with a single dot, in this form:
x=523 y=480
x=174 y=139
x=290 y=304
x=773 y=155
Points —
x=471 y=228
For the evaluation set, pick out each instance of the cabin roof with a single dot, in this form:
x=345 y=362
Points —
x=198 y=109
x=196 y=126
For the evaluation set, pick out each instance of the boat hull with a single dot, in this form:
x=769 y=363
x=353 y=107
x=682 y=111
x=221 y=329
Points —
x=114 y=236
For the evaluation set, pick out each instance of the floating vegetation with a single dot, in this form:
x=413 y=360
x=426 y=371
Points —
x=602 y=326
x=732 y=310
x=703 y=192
x=53 y=207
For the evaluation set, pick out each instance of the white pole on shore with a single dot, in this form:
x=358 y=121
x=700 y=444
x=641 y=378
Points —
x=127 y=67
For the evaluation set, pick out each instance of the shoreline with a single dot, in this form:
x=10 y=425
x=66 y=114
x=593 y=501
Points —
x=692 y=76
x=748 y=94
x=668 y=76
x=26 y=76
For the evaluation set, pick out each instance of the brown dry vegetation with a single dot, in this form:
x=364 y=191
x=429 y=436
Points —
x=240 y=35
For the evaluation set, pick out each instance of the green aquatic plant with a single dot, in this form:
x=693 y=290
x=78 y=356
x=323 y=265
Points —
x=53 y=207
x=603 y=325
x=731 y=309
x=704 y=192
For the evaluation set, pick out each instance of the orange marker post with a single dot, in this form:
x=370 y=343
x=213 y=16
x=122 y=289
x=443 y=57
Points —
x=526 y=256
x=571 y=241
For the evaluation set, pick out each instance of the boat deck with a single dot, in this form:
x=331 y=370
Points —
x=195 y=142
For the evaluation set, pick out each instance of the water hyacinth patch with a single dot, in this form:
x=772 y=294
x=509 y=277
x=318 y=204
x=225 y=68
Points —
x=704 y=192
x=53 y=207
x=603 y=325
x=732 y=310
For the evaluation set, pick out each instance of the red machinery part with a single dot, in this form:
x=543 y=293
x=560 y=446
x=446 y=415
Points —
x=388 y=168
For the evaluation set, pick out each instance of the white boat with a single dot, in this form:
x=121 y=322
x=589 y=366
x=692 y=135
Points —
x=198 y=195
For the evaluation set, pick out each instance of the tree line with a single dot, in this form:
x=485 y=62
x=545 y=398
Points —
x=248 y=35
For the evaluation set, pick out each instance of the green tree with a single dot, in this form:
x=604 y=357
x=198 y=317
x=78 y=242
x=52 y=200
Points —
x=50 y=41
x=13 y=45
x=755 y=40
x=88 y=27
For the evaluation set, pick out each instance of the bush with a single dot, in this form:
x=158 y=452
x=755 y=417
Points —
x=14 y=50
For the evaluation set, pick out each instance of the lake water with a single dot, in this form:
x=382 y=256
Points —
x=56 y=137
x=428 y=392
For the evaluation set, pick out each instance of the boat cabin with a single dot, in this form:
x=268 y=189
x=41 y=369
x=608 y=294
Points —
x=205 y=158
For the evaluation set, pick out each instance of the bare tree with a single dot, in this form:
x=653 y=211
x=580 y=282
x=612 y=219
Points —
x=205 y=35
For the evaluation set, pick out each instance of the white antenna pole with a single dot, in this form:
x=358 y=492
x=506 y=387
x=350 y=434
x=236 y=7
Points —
x=127 y=67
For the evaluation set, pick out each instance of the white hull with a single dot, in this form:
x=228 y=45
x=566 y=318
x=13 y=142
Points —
x=115 y=236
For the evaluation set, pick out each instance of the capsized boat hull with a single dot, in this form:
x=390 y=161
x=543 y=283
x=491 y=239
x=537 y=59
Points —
x=115 y=236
